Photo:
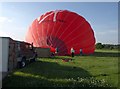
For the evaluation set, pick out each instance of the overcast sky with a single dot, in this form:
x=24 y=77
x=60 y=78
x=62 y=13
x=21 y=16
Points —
x=15 y=18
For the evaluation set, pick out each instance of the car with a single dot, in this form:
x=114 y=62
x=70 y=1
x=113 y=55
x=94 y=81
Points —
x=25 y=53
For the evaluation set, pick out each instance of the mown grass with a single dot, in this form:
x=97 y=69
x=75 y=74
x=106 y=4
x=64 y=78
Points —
x=97 y=70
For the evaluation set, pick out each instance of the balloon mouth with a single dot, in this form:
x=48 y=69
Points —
x=55 y=45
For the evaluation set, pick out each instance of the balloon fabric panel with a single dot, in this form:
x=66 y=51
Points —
x=62 y=29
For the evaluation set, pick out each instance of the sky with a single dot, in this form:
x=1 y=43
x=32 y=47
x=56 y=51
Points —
x=16 y=17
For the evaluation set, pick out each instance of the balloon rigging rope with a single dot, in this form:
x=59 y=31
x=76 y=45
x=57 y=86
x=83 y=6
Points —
x=50 y=40
x=55 y=17
x=60 y=26
x=89 y=39
x=67 y=27
x=42 y=27
x=42 y=35
x=77 y=37
x=62 y=23
x=82 y=42
x=51 y=33
x=47 y=31
x=55 y=14
x=33 y=36
x=38 y=33
x=73 y=31
x=45 y=17
x=54 y=21
x=48 y=27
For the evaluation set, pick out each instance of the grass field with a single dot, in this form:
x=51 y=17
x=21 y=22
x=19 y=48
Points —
x=97 y=70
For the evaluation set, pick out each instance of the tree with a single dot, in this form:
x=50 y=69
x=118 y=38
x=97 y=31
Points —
x=99 y=46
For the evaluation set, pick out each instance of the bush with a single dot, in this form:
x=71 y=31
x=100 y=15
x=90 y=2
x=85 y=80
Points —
x=99 y=46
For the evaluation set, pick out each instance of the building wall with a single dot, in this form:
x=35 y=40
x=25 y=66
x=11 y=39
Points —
x=12 y=62
x=0 y=63
x=5 y=49
x=4 y=58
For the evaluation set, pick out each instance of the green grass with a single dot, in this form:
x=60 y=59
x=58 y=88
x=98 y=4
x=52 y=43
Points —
x=97 y=70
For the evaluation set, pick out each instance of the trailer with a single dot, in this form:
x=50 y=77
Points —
x=4 y=55
x=43 y=52
x=15 y=54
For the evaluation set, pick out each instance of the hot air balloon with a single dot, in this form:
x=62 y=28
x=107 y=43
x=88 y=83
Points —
x=62 y=29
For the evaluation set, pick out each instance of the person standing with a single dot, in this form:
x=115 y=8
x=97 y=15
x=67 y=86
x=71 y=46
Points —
x=56 y=50
x=72 y=52
x=80 y=51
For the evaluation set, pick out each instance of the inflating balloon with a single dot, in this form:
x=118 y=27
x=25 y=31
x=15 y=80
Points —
x=62 y=29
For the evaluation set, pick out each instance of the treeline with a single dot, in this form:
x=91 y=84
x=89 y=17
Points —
x=107 y=46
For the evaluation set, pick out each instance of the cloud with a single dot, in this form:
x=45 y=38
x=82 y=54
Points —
x=8 y=28
x=5 y=22
x=3 y=34
x=5 y=19
x=113 y=31
x=107 y=36
x=106 y=32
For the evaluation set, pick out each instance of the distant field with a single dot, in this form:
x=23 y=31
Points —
x=97 y=70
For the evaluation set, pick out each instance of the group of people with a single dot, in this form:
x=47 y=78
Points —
x=73 y=52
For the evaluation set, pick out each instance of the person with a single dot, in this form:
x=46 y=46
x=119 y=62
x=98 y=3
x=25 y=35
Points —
x=52 y=55
x=72 y=52
x=80 y=51
x=56 y=50
x=32 y=46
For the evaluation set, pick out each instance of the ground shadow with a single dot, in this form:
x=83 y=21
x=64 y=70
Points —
x=49 y=74
x=45 y=71
x=56 y=71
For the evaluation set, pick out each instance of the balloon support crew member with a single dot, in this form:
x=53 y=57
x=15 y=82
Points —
x=72 y=52
x=81 y=52
x=56 y=50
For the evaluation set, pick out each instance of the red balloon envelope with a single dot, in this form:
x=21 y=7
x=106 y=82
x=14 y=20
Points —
x=62 y=29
